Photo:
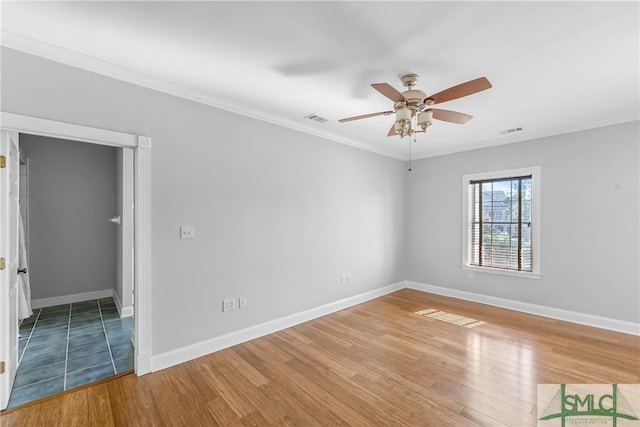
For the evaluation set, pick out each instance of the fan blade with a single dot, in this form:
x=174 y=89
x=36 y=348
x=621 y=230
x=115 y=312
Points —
x=458 y=91
x=365 y=116
x=451 y=116
x=388 y=91
x=392 y=131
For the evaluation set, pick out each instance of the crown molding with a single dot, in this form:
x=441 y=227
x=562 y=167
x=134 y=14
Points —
x=526 y=136
x=98 y=66
x=95 y=65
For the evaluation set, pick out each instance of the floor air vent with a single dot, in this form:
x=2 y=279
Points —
x=467 y=322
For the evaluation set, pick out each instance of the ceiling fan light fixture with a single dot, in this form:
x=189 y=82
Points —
x=403 y=121
x=415 y=104
x=425 y=119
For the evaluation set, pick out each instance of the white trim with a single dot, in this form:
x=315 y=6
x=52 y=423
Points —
x=95 y=65
x=54 y=129
x=116 y=300
x=85 y=62
x=142 y=213
x=127 y=311
x=193 y=351
x=122 y=311
x=68 y=299
x=536 y=223
x=539 y=310
x=190 y=352
x=142 y=256
x=500 y=272
x=526 y=136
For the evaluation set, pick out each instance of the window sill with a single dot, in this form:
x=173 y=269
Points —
x=489 y=270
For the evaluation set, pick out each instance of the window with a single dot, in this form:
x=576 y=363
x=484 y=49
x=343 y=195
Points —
x=501 y=222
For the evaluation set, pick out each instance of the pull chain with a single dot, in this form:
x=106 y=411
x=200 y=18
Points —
x=414 y=140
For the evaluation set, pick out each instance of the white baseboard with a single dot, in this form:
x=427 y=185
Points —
x=122 y=311
x=540 y=310
x=184 y=354
x=126 y=311
x=142 y=364
x=68 y=299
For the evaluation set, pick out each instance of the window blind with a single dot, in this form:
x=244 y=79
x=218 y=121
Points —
x=500 y=223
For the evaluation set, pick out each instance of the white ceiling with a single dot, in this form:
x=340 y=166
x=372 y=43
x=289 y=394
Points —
x=555 y=66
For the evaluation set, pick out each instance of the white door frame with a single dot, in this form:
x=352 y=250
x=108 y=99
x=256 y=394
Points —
x=141 y=146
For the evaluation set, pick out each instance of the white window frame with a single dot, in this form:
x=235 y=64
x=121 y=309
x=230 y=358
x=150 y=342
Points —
x=536 y=223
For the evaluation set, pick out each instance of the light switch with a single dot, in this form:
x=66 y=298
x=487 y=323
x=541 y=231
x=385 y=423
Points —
x=187 y=232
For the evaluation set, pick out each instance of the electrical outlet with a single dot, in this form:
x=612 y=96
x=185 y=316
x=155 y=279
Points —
x=242 y=302
x=469 y=274
x=228 y=304
x=343 y=279
x=349 y=277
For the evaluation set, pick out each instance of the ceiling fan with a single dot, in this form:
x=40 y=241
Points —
x=415 y=104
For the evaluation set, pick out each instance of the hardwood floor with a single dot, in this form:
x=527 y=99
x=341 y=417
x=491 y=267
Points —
x=374 y=364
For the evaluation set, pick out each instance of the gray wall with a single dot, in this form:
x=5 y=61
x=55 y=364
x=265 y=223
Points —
x=71 y=195
x=279 y=215
x=590 y=234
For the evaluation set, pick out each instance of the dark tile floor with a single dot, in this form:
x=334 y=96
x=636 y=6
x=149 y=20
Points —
x=69 y=345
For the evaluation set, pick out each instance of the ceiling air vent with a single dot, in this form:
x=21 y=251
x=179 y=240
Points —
x=508 y=131
x=316 y=118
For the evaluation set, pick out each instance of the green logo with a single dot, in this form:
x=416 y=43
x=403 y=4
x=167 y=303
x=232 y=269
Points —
x=589 y=406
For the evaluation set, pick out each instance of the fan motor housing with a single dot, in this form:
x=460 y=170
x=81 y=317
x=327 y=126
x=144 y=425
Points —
x=414 y=96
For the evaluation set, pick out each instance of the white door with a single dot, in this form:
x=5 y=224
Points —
x=124 y=232
x=9 y=211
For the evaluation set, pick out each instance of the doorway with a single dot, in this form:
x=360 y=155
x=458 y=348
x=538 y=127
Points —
x=79 y=284
x=140 y=147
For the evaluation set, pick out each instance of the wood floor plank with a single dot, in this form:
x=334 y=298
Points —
x=75 y=408
x=481 y=419
x=350 y=407
x=290 y=405
x=99 y=408
x=377 y=363
x=243 y=386
x=462 y=391
x=285 y=390
x=117 y=399
x=139 y=407
x=194 y=378
x=244 y=368
x=222 y=414
x=186 y=398
x=240 y=405
x=166 y=401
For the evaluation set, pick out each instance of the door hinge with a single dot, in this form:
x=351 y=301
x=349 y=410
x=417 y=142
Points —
x=3 y=162
x=1 y=367
x=1 y=263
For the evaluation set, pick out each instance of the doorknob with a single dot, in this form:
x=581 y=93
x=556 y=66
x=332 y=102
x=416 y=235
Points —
x=22 y=270
x=115 y=220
